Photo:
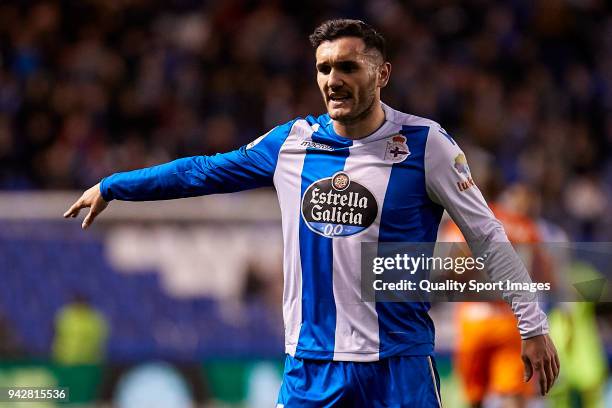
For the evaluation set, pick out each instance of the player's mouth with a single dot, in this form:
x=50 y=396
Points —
x=339 y=99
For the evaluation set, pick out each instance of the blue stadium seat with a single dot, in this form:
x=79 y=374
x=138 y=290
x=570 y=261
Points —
x=44 y=266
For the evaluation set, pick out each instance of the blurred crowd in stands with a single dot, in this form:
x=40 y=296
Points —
x=92 y=87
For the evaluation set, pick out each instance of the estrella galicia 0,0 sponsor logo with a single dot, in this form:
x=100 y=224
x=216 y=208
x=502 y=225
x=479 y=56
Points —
x=338 y=206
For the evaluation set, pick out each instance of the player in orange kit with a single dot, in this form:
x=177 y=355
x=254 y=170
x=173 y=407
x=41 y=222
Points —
x=488 y=352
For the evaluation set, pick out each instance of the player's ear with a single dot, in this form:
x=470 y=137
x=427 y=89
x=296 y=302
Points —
x=384 y=72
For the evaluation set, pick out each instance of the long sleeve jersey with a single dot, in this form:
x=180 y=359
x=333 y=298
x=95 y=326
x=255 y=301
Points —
x=334 y=194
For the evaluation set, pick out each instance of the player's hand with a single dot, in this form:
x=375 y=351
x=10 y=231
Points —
x=540 y=356
x=91 y=199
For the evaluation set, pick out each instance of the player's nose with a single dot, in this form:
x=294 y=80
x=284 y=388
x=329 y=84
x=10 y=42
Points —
x=334 y=79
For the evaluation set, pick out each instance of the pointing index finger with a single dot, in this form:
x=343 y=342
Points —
x=73 y=211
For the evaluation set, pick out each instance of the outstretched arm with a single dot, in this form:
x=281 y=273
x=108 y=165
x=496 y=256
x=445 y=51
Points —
x=249 y=167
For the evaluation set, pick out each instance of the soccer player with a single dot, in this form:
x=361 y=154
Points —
x=362 y=172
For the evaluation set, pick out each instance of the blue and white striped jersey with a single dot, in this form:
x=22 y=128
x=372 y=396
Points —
x=334 y=193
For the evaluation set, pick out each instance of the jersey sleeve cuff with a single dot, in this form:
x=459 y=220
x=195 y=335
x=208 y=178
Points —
x=532 y=320
x=105 y=190
x=538 y=331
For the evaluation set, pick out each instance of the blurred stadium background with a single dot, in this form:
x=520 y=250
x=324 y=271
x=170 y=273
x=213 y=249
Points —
x=170 y=304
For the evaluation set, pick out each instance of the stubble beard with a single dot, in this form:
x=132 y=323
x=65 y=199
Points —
x=369 y=98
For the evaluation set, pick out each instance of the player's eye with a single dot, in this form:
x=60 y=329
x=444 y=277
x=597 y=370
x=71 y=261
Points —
x=323 y=68
x=348 y=66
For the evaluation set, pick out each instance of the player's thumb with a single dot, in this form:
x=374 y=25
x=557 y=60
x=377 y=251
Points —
x=528 y=372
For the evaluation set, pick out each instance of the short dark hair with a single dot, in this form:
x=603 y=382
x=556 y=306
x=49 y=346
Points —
x=343 y=27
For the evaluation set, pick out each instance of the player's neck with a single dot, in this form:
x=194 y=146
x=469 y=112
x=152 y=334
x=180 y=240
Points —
x=364 y=126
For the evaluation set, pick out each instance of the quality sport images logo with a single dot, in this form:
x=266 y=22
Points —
x=338 y=206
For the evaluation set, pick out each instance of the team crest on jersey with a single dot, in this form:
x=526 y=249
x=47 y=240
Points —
x=397 y=150
x=338 y=206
